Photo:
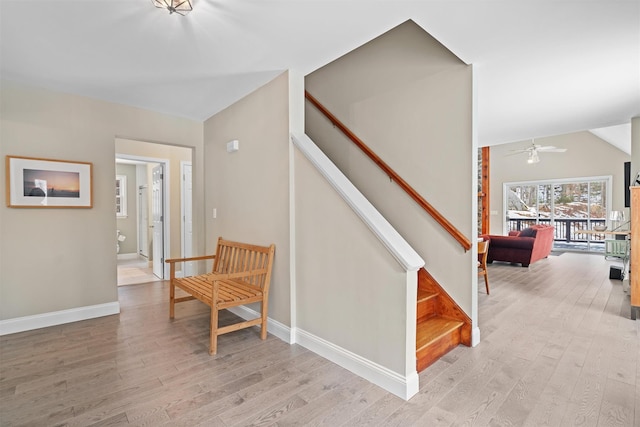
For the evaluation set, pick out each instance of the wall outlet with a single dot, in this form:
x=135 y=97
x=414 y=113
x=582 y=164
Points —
x=494 y=212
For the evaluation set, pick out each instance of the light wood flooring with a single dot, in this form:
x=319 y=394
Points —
x=558 y=348
x=135 y=271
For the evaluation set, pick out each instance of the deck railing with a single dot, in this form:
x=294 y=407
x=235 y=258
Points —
x=569 y=230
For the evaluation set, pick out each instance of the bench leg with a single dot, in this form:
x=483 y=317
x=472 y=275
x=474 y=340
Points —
x=213 y=324
x=263 y=324
x=172 y=299
x=213 y=335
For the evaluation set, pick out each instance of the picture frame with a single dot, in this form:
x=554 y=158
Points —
x=48 y=183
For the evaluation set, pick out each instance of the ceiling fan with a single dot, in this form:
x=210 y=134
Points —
x=533 y=150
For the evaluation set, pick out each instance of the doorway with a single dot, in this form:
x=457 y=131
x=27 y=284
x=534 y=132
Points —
x=146 y=228
x=162 y=177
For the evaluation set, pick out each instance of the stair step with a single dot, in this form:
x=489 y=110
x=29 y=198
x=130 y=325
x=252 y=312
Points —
x=433 y=329
x=435 y=337
x=427 y=305
x=424 y=295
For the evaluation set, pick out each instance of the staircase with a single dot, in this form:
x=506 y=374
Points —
x=441 y=323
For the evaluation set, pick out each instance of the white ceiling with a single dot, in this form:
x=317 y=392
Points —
x=543 y=67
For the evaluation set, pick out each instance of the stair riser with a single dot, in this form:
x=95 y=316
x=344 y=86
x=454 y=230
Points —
x=438 y=348
x=426 y=309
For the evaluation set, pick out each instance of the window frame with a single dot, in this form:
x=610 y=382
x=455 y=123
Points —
x=121 y=196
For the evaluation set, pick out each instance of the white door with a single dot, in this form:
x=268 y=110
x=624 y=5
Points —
x=187 y=219
x=143 y=220
x=157 y=214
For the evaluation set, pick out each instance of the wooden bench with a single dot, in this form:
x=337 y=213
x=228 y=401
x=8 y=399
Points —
x=241 y=274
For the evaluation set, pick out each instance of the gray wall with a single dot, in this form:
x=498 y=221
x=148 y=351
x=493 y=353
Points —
x=586 y=155
x=250 y=187
x=57 y=259
x=351 y=291
x=410 y=99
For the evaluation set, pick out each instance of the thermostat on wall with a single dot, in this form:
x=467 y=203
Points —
x=233 y=146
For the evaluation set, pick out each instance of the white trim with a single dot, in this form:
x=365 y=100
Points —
x=410 y=320
x=37 y=321
x=402 y=386
x=297 y=104
x=274 y=327
x=390 y=238
x=293 y=289
x=121 y=184
x=186 y=252
x=560 y=180
x=472 y=266
x=475 y=336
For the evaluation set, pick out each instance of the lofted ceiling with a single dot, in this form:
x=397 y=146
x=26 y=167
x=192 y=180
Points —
x=542 y=67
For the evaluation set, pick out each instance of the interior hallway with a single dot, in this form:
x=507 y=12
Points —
x=133 y=271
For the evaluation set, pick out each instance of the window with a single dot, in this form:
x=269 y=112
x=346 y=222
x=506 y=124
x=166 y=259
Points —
x=571 y=205
x=121 y=196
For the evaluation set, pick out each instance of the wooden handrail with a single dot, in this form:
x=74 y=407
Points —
x=437 y=216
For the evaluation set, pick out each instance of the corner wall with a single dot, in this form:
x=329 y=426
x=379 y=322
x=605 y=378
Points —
x=249 y=188
x=411 y=100
x=53 y=260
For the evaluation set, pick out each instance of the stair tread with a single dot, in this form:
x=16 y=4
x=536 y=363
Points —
x=433 y=328
x=424 y=294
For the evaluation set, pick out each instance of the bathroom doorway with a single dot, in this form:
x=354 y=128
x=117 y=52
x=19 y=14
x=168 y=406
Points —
x=153 y=227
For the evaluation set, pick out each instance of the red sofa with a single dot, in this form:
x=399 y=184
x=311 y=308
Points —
x=524 y=247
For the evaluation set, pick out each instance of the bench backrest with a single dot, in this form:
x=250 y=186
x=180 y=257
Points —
x=235 y=258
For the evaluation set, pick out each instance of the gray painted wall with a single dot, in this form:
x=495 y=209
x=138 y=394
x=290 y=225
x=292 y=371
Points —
x=250 y=188
x=410 y=99
x=57 y=259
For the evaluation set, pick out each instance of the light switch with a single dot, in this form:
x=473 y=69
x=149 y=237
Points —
x=215 y=213
x=233 y=146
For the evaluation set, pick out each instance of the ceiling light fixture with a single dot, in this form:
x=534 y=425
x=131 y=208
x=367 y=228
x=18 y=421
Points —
x=533 y=157
x=181 y=7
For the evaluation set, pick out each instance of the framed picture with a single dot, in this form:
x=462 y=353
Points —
x=47 y=183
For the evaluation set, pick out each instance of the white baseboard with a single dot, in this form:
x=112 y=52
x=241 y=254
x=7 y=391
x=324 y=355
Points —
x=401 y=386
x=273 y=326
x=404 y=387
x=37 y=321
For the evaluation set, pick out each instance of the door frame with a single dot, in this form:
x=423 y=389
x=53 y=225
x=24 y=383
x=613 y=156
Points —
x=166 y=230
x=143 y=246
x=186 y=251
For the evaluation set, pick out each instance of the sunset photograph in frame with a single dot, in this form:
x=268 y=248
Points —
x=48 y=183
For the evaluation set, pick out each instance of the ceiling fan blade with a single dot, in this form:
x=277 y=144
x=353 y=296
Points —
x=514 y=152
x=552 y=149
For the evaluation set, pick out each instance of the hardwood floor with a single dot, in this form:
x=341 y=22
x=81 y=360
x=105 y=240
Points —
x=134 y=271
x=558 y=348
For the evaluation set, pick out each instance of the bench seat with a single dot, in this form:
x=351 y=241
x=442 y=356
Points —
x=241 y=275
